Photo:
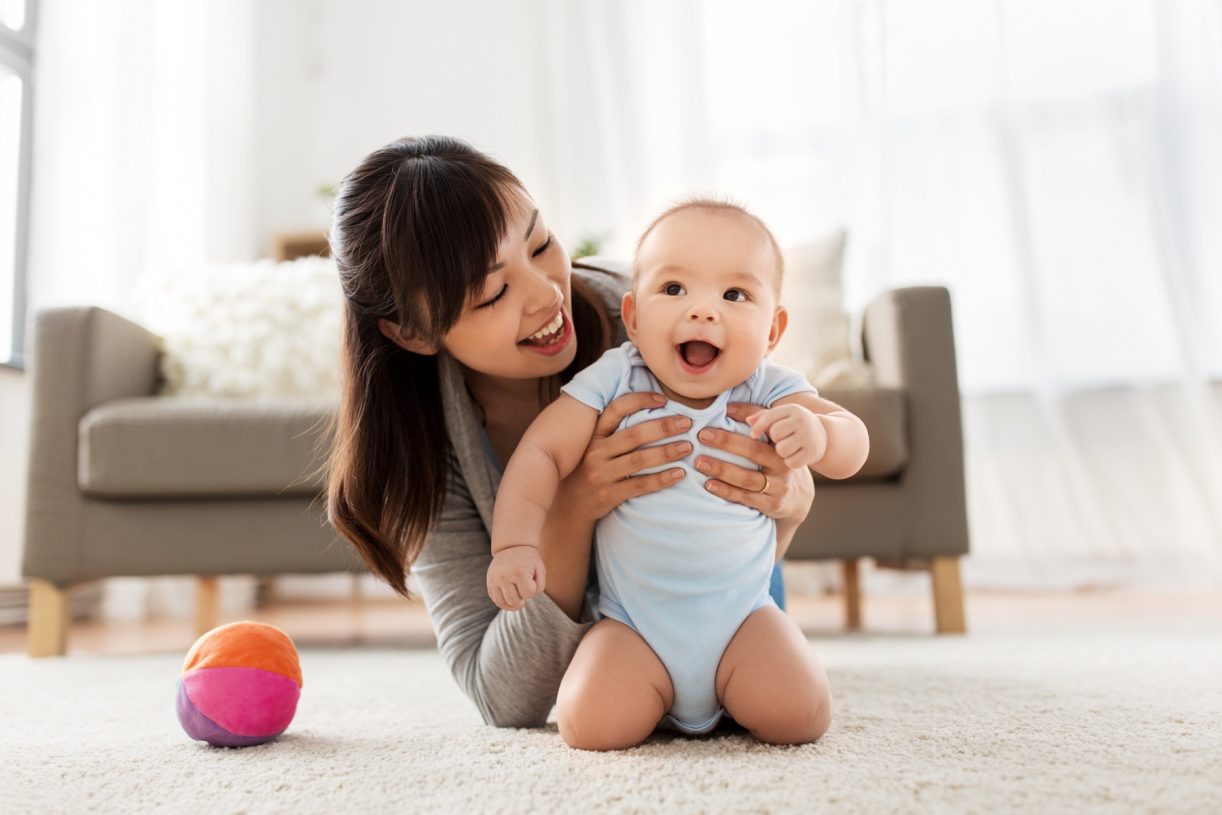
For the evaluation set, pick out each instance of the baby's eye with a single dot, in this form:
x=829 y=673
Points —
x=736 y=295
x=674 y=289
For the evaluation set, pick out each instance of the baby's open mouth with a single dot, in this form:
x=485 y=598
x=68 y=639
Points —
x=698 y=354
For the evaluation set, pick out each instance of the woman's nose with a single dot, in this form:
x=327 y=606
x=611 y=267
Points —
x=544 y=292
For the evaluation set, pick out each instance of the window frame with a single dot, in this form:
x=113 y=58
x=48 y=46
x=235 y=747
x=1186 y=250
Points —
x=17 y=56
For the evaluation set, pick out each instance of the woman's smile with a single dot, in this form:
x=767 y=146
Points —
x=553 y=337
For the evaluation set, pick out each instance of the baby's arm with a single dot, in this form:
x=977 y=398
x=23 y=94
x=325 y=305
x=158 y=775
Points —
x=808 y=431
x=551 y=449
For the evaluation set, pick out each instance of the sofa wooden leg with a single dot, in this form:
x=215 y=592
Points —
x=852 y=596
x=947 y=595
x=48 y=625
x=207 y=604
x=266 y=592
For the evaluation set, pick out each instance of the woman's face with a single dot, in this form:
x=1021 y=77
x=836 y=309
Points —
x=520 y=326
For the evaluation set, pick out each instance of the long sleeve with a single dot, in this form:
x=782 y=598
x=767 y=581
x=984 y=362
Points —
x=509 y=663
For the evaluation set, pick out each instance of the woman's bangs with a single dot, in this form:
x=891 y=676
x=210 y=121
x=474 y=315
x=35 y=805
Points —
x=461 y=215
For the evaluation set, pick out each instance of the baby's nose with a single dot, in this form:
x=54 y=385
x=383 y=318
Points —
x=701 y=314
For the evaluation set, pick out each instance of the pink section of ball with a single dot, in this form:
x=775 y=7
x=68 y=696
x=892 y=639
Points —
x=245 y=701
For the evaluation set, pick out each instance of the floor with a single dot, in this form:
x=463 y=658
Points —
x=400 y=623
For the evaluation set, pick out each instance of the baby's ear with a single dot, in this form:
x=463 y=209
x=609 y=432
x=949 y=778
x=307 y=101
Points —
x=780 y=321
x=407 y=342
x=627 y=311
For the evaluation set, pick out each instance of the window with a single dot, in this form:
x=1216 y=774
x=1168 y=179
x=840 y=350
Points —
x=16 y=58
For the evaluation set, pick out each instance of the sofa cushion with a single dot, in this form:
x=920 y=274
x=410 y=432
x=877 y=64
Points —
x=165 y=446
x=176 y=447
x=885 y=413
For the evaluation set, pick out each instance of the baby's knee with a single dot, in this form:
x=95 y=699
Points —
x=587 y=725
x=799 y=719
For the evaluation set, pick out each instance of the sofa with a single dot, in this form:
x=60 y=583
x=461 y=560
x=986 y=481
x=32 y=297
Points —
x=126 y=482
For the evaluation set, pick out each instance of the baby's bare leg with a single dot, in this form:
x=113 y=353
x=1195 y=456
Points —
x=771 y=683
x=615 y=691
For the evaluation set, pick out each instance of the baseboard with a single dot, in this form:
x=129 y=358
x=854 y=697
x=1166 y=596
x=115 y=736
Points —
x=13 y=603
x=85 y=601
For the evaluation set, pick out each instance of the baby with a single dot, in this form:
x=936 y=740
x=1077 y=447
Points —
x=683 y=568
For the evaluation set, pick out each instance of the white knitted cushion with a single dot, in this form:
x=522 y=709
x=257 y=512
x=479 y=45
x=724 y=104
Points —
x=261 y=329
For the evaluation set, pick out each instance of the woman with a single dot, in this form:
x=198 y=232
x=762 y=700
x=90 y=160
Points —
x=463 y=316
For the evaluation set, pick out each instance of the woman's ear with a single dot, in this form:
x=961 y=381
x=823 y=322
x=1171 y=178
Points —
x=408 y=343
x=780 y=321
x=627 y=312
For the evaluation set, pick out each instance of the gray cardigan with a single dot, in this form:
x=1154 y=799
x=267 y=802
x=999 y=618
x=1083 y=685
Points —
x=509 y=663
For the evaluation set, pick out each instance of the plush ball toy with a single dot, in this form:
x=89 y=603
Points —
x=239 y=685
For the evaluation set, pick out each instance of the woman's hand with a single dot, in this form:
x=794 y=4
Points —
x=605 y=477
x=789 y=493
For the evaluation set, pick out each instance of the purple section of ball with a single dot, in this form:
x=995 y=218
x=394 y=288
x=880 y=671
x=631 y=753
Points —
x=201 y=728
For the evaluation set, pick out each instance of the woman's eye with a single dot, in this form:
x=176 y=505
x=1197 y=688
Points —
x=498 y=296
x=546 y=245
x=674 y=289
x=735 y=295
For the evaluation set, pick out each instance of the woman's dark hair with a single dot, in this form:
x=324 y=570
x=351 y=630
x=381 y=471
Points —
x=416 y=227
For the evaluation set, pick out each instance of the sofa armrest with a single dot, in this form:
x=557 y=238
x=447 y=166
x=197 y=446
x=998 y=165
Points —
x=908 y=337
x=80 y=358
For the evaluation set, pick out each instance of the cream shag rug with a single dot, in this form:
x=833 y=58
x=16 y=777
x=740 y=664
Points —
x=984 y=723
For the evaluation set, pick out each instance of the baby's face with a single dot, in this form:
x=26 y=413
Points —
x=704 y=309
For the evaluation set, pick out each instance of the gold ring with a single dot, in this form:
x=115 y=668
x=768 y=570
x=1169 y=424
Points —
x=765 y=487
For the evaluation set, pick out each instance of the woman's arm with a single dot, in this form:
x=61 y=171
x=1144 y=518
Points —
x=786 y=527
x=565 y=546
x=509 y=663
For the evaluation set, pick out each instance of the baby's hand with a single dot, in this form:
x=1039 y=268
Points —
x=797 y=434
x=515 y=576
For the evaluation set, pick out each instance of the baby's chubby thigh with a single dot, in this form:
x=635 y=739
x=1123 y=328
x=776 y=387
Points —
x=770 y=682
x=614 y=692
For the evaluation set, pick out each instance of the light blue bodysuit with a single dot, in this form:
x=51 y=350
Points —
x=681 y=566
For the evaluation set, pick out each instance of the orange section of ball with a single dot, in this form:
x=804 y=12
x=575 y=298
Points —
x=245 y=644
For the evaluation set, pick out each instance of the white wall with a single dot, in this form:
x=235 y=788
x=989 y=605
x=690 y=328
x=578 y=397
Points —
x=339 y=80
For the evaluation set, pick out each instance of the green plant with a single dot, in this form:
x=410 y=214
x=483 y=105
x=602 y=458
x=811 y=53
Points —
x=589 y=245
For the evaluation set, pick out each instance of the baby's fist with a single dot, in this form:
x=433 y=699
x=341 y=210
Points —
x=797 y=434
x=515 y=576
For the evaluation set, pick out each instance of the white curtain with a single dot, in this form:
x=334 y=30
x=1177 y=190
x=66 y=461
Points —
x=143 y=145
x=1055 y=163
x=142 y=164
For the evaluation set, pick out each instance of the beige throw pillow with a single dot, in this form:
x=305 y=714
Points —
x=816 y=341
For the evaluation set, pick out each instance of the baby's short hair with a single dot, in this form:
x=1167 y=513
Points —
x=723 y=205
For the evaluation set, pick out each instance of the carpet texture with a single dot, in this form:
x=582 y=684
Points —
x=984 y=723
